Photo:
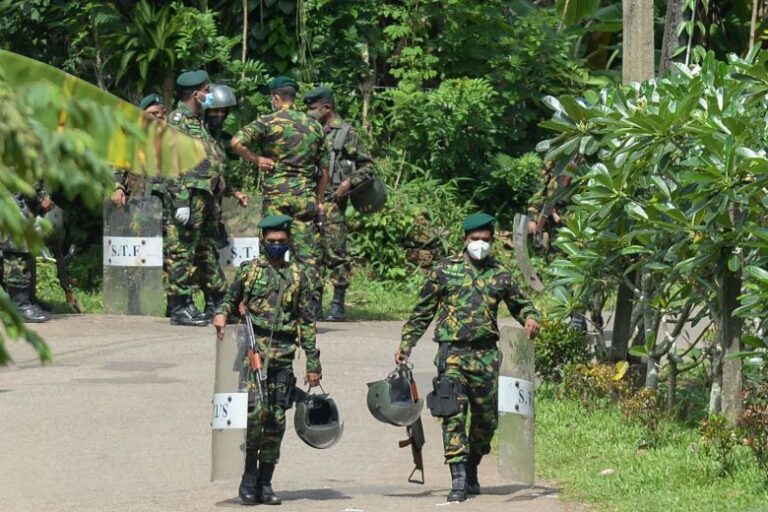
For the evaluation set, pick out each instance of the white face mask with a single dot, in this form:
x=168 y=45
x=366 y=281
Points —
x=478 y=249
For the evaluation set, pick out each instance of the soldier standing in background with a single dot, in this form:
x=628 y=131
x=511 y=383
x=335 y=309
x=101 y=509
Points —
x=286 y=146
x=350 y=163
x=465 y=292
x=193 y=234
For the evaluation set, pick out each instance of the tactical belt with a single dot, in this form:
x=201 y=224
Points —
x=470 y=345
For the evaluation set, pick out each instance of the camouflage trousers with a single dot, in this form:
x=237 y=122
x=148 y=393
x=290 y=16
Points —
x=334 y=258
x=266 y=421
x=191 y=248
x=209 y=276
x=17 y=269
x=305 y=246
x=478 y=372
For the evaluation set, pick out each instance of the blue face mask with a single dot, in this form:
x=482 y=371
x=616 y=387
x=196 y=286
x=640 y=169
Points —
x=208 y=101
x=276 y=251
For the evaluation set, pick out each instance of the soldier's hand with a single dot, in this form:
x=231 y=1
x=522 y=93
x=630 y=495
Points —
x=313 y=379
x=556 y=217
x=531 y=328
x=46 y=204
x=182 y=214
x=532 y=227
x=219 y=322
x=400 y=358
x=265 y=164
x=118 y=197
x=343 y=189
x=242 y=198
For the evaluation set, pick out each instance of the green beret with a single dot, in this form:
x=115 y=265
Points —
x=192 y=79
x=478 y=221
x=149 y=100
x=278 y=222
x=282 y=81
x=318 y=94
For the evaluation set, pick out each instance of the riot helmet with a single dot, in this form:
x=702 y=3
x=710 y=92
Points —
x=392 y=400
x=317 y=421
x=369 y=196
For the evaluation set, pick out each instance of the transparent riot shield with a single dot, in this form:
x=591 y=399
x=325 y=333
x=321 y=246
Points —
x=133 y=258
x=242 y=234
x=520 y=243
x=230 y=405
x=516 y=411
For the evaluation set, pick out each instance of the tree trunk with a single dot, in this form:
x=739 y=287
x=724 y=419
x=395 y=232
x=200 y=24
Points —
x=622 y=321
x=366 y=86
x=671 y=40
x=638 y=52
x=730 y=339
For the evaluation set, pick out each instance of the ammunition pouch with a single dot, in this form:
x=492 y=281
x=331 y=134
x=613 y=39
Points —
x=284 y=395
x=443 y=400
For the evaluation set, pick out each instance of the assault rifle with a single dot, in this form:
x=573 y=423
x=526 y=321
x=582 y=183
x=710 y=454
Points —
x=254 y=356
x=415 y=439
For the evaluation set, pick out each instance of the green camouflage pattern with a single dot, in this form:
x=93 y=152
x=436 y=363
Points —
x=354 y=150
x=294 y=141
x=466 y=300
x=335 y=259
x=204 y=177
x=257 y=284
x=478 y=372
x=188 y=250
x=266 y=421
x=17 y=269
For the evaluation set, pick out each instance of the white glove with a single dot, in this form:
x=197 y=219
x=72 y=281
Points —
x=182 y=214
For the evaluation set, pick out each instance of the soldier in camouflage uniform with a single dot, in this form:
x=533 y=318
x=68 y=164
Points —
x=19 y=266
x=465 y=293
x=193 y=235
x=350 y=163
x=286 y=146
x=278 y=297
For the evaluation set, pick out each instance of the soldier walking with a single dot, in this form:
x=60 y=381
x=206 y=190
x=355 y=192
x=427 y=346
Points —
x=465 y=292
x=349 y=164
x=193 y=234
x=278 y=298
x=286 y=146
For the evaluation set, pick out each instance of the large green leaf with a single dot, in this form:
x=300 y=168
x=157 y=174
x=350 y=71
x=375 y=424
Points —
x=142 y=145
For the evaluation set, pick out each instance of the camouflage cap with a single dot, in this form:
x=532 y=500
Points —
x=478 y=221
x=149 y=100
x=190 y=79
x=282 y=81
x=276 y=222
x=318 y=94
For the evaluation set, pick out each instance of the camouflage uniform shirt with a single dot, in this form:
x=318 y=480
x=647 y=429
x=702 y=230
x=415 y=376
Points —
x=294 y=141
x=208 y=175
x=466 y=299
x=258 y=284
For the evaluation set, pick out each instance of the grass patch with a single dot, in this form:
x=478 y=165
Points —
x=377 y=300
x=573 y=448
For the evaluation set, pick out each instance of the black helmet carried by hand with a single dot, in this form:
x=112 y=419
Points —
x=317 y=421
x=392 y=400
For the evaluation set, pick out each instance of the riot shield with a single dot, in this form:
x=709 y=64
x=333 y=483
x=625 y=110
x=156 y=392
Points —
x=242 y=234
x=520 y=243
x=133 y=258
x=516 y=411
x=230 y=405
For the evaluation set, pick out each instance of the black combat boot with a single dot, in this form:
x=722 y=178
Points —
x=30 y=312
x=458 y=490
x=249 y=484
x=212 y=303
x=337 y=306
x=473 y=485
x=266 y=495
x=183 y=312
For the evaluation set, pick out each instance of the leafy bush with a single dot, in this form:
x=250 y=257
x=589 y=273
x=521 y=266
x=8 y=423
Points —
x=719 y=441
x=558 y=345
x=754 y=423
x=595 y=385
x=644 y=407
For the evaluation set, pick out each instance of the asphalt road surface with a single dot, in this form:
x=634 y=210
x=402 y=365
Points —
x=120 y=421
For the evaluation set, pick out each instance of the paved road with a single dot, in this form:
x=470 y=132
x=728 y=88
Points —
x=120 y=421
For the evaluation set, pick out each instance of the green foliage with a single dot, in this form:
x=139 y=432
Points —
x=754 y=423
x=719 y=441
x=645 y=408
x=595 y=385
x=558 y=345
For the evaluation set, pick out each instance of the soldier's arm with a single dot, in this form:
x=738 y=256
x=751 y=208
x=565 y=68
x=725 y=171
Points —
x=306 y=326
x=235 y=294
x=520 y=306
x=358 y=152
x=423 y=313
x=247 y=135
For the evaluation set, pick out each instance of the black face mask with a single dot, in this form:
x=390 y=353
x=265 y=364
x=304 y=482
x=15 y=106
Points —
x=215 y=124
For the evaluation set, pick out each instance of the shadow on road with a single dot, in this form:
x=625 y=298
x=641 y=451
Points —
x=288 y=496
